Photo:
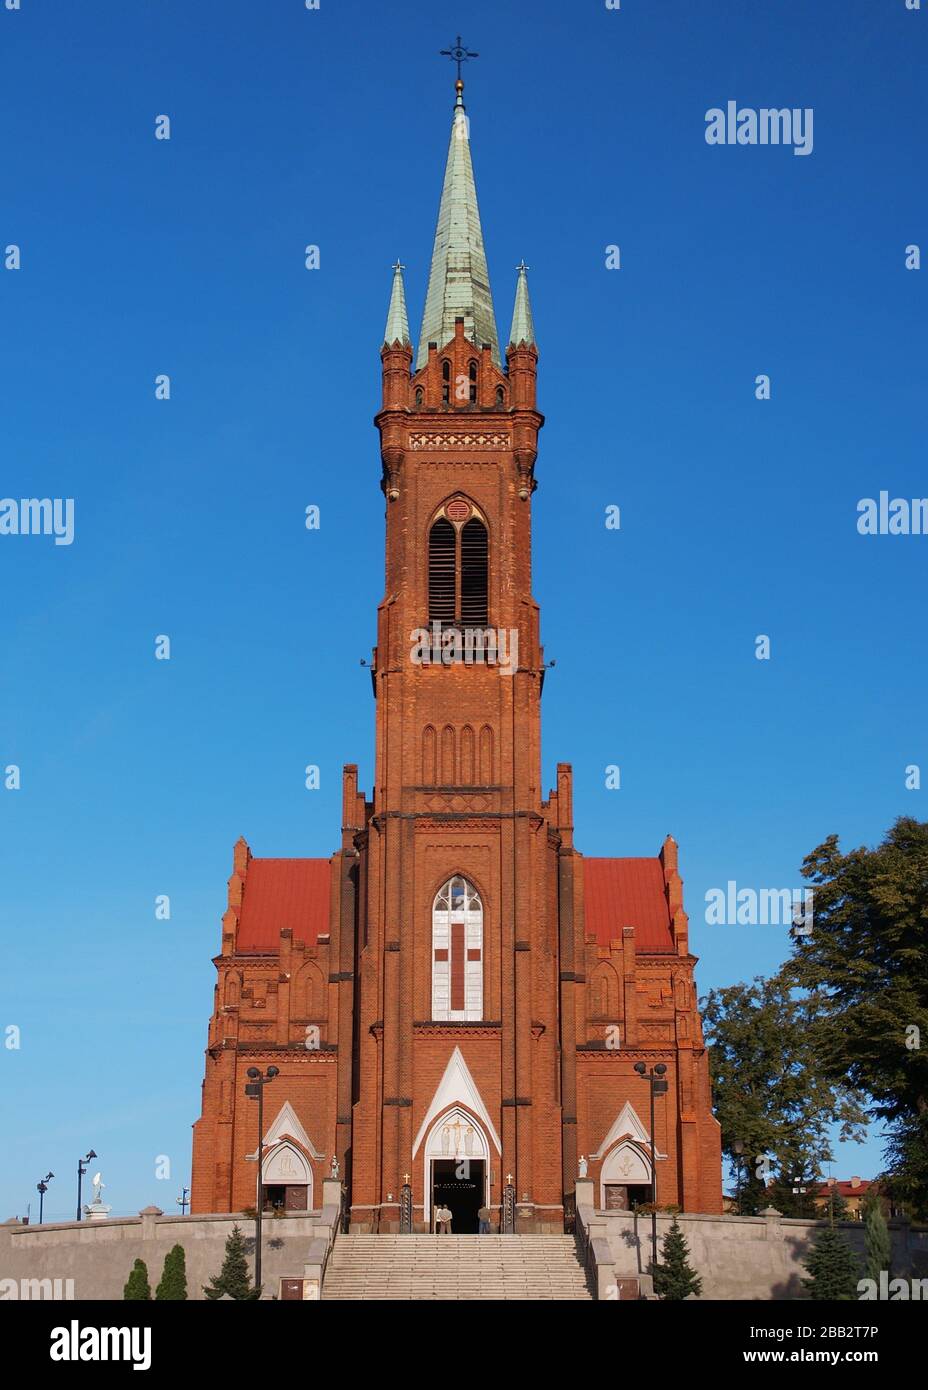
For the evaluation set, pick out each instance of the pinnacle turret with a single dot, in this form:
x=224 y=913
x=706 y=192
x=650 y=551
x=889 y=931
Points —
x=523 y=328
x=397 y=329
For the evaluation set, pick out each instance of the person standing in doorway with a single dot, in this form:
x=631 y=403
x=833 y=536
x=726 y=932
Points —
x=483 y=1221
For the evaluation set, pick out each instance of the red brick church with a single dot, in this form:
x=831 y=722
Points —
x=456 y=999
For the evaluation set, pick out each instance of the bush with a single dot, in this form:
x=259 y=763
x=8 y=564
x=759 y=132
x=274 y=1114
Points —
x=832 y=1266
x=233 y=1279
x=674 y=1280
x=138 y=1289
x=173 y=1285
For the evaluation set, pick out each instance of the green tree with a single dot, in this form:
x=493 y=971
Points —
x=137 y=1289
x=768 y=1092
x=673 y=1278
x=879 y=1244
x=832 y=1266
x=838 y=1207
x=906 y=1155
x=233 y=1279
x=865 y=967
x=173 y=1285
x=793 y=1190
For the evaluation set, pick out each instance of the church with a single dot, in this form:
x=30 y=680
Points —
x=464 y=1011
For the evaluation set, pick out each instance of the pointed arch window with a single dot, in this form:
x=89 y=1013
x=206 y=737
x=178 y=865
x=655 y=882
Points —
x=446 y=382
x=457 y=952
x=472 y=381
x=459 y=572
x=474 y=573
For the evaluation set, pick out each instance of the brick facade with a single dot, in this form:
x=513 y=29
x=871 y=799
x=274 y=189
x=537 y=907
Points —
x=326 y=966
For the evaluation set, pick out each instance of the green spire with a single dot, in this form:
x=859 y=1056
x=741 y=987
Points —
x=397 y=329
x=459 y=282
x=523 y=329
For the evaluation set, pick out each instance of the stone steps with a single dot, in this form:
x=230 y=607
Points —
x=431 y=1267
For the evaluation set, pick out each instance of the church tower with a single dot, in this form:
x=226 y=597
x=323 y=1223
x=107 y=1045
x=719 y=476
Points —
x=461 y=1008
x=458 y=968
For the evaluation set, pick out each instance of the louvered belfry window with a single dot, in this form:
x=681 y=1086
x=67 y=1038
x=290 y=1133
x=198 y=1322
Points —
x=443 y=543
x=459 y=570
x=474 y=574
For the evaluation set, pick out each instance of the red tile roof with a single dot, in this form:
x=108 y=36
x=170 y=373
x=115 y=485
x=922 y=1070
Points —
x=621 y=893
x=284 y=893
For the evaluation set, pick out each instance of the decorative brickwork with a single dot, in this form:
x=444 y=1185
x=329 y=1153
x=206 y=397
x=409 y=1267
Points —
x=327 y=967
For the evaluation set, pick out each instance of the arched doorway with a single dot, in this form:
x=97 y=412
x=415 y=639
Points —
x=288 y=1180
x=625 y=1180
x=457 y=1169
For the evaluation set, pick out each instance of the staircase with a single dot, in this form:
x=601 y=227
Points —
x=455 y=1267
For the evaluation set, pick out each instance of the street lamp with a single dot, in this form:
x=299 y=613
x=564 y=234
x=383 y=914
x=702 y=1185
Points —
x=182 y=1200
x=255 y=1091
x=42 y=1189
x=81 y=1170
x=738 y=1150
x=658 y=1087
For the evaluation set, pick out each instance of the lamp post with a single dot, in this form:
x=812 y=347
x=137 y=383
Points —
x=738 y=1150
x=255 y=1090
x=42 y=1189
x=657 y=1087
x=183 y=1200
x=81 y=1170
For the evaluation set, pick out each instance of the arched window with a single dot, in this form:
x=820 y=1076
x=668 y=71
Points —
x=428 y=757
x=418 y=395
x=445 y=381
x=443 y=544
x=459 y=572
x=474 y=574
x=457 y=952
x=472 y=378
x=500 y=396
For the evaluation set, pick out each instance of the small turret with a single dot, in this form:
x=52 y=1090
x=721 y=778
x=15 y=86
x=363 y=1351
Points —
x=523 y=328
x=397 y=330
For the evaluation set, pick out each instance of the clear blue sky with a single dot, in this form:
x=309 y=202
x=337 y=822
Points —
x=738 y=517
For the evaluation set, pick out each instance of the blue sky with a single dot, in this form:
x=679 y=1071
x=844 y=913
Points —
x=140 y=257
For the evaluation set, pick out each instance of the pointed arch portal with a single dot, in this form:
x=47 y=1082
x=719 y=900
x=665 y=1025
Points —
x=457 y=1139
x=456 y=1156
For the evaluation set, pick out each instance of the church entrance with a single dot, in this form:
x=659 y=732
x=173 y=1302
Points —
x=459 y=1185
x=291 y=1197
x=622 y=1196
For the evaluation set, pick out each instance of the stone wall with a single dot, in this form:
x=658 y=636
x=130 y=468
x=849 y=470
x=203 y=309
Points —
x=737 y=1257
x=97 y=1256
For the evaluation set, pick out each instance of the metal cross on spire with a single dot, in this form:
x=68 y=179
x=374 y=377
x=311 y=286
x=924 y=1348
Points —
x=458 y=54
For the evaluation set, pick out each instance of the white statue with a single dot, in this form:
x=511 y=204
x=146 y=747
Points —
x=98 y=1186
x=583 y=1167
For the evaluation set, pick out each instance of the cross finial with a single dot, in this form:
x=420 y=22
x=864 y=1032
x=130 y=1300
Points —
x=458 y=53
x=522 y=267
x=398 y=265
